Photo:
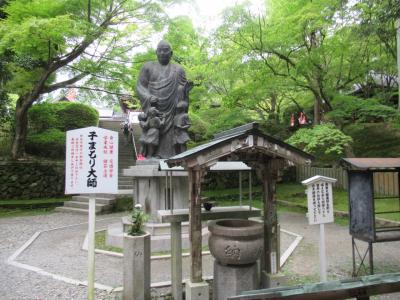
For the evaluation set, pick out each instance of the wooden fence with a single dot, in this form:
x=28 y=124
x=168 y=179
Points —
x=385 y=183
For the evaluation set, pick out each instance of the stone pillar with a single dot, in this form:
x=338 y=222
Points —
x=153 y=191
x=232 y=280
x=136 y=267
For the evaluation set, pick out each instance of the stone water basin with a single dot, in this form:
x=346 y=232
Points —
x=235 y=241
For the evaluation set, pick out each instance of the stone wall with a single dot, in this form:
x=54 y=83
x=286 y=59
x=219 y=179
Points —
x=27 y=180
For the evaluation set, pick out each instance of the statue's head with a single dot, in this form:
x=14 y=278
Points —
x=153 y=112
x=164 y=52
x=182 y=106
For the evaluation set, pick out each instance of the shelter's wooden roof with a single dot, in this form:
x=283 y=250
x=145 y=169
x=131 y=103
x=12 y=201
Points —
x=366 y=164
x=244 y=139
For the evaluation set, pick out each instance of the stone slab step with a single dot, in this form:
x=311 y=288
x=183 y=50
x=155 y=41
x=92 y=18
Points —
x=99 y=200
x=125 y=187
x=81 y=211
x=85 y=205
x=124 y=193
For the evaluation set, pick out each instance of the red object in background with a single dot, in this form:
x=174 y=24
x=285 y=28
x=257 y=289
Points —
x=302 y=119
x=292 y=120
x=140 y=157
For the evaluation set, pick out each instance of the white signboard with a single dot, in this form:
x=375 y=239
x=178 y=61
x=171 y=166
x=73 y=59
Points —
x=91 y=161
x=320 y=199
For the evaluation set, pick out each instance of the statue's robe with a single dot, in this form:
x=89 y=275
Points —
x=167 y=84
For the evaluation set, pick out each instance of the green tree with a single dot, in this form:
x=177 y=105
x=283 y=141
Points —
x=83 y=39
x=306 y=45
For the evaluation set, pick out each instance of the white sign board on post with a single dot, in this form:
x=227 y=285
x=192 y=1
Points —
x=91 y=167
x=320 y=199
x=320 y=211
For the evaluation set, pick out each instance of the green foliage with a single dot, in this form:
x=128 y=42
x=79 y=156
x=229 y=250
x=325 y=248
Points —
x=76 y=115
x=62 y=116
x=139 y=217
x=374 y=139
x=50 y=121
x=325 y=142
x=377 y=113
x=350 y=109
x=209 y=121
x=49 y=143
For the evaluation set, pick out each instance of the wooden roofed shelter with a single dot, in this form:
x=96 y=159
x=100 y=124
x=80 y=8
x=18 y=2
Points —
x=366 y=205
x=267 y=155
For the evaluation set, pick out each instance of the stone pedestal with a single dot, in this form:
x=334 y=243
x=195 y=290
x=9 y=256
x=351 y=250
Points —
x=197 y=290
x=158 y=190
x=136 y=267
x=232 y=280
x=236 y=245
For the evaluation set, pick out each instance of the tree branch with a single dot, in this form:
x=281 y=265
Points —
x=95 y=89
x=63 y=84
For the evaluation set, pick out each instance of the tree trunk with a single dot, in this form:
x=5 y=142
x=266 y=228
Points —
x=317 y=110
x=21 y=130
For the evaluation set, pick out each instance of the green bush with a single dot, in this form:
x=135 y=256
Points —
x=76 y=115
x=350 y=109
x=377 y=113
x=62 y=116
x=50 y=143
x=325 y=142
x=48 y=123
x=374 y=139
x=42 y=117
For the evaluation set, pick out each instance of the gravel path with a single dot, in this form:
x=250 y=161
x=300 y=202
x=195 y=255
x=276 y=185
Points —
x=59 y=252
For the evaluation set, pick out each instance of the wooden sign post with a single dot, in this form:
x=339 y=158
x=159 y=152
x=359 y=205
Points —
x=320 y=211
x=91 y=167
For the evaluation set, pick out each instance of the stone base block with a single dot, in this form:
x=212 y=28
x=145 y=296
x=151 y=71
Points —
x=232 y=280
x=273 y=280
x=197 y=291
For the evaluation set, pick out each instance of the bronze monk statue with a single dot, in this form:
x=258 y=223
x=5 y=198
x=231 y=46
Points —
x=163 y=85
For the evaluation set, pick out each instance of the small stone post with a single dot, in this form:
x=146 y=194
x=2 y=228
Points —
x=176 y=260
x=136 y=267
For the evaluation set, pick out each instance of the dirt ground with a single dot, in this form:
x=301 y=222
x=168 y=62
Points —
x=59 y=252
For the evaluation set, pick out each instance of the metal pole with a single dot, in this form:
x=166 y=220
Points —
x=240 y=188
x=250 y=192
x=91 y=230
x=371 y=258
x=398 y=60
x=171 y=200
x=354 y=257
x=166 y=191
x=322 y=252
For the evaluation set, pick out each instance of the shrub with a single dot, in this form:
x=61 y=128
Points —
x=50 y=143
x=377 y=113
x=62 y=116
x=48 y=123
x=325 y=142
x=350 y=109
x=77 y=115
x=374 y=139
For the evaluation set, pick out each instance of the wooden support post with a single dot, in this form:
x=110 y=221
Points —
x=270 y=262
x=176 y=260
x=195 y=226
